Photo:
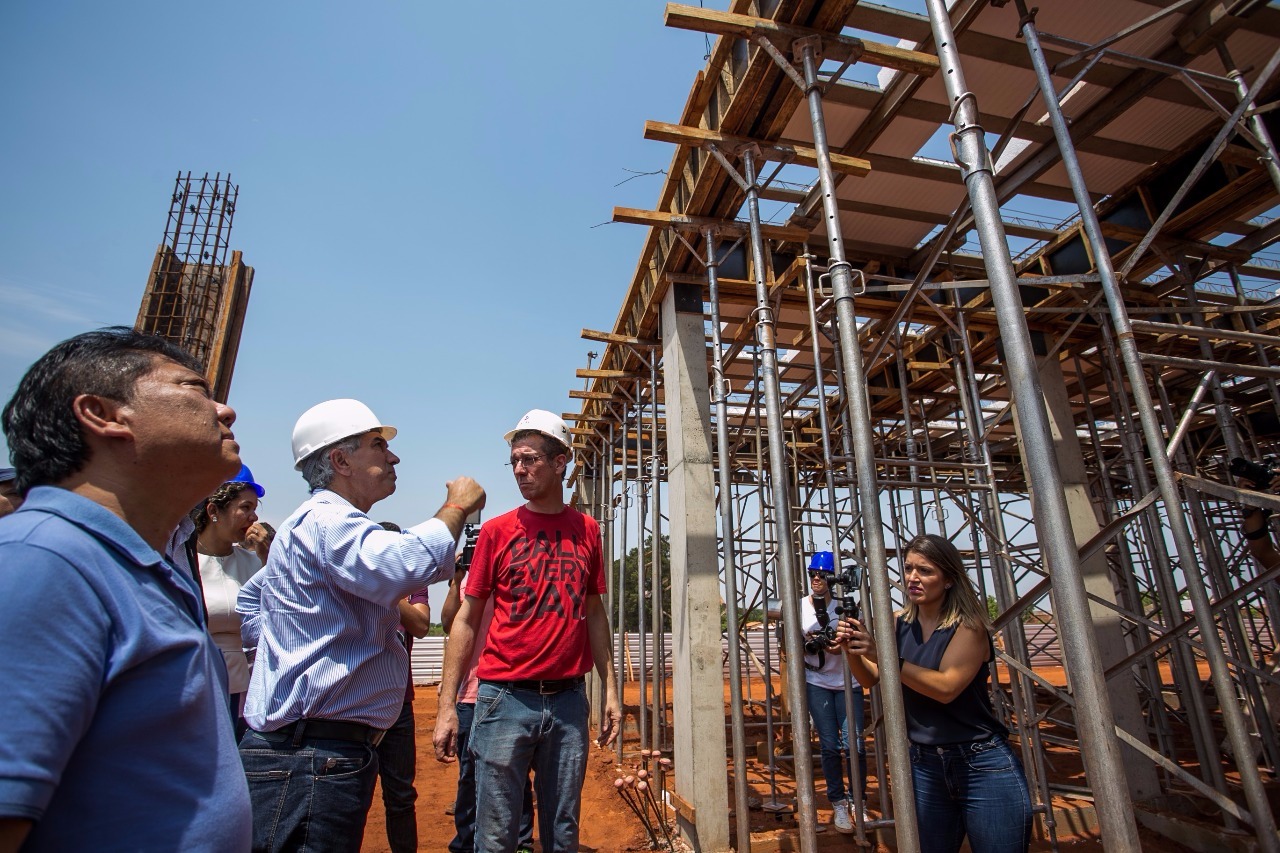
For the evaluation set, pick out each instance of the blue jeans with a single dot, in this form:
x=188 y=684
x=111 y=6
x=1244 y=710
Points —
x=397 y=763
x=515 y=731
x=974 y=789
x=826 y=709
x=313 y=796
x=464 y=807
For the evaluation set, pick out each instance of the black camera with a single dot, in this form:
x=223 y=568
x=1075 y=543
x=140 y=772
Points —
x=1261 y=474
x=472 y=533
x=819 y=640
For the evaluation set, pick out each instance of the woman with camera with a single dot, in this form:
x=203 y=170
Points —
x=824 y=687
x=968 y=782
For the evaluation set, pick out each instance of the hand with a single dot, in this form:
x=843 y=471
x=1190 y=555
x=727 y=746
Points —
x=259 y=540
x=610 y=721
x=466 y=493
x=445 y=737
x=860 y=642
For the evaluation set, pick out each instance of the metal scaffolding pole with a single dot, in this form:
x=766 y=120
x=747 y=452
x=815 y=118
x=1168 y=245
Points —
x=1232 y=716
x=728 y=536
x=658 y=713
x=1096 y=729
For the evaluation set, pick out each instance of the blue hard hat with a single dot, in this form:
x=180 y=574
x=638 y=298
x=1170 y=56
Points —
x=246 y=476
x=822 y=561
x=7 y=474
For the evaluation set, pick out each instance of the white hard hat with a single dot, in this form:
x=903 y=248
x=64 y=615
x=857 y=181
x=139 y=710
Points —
x=331 y=421
x=546 y=423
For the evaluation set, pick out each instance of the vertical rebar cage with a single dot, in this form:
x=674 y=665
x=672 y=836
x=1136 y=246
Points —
x=195 y=297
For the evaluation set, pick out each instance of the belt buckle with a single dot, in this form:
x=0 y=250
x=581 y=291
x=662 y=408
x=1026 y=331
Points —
x=377 y=738
x=543 y=688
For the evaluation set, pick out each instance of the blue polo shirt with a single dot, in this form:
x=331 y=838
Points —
x=114 y=729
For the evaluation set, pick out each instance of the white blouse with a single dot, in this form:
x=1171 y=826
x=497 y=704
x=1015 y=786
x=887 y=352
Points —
x=222 y=578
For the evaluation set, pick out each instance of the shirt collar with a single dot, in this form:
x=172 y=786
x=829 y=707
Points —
x=94 y=518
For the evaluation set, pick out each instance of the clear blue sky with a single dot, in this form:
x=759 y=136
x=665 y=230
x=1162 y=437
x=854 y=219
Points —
x=418 y=185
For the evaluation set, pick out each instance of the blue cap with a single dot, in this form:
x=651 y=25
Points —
x=246 y=476
x=822 y=561
x=7 y=474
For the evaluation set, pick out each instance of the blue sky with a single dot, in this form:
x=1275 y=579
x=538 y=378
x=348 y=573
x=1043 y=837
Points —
x=418 y=185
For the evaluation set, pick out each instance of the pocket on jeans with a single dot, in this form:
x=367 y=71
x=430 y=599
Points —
x=997 y=759
x=487 y=700
x=335 y=768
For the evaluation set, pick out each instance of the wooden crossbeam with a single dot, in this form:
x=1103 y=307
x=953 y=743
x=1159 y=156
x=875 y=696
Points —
x=660 y=218
x=837 y=47
x=611 y=338
x=589 y=395
x=585 y=373
x=678 y=134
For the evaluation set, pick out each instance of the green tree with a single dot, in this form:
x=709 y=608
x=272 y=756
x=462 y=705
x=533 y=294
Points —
x=630 y=587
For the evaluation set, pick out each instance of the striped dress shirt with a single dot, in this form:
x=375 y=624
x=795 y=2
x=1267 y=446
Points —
x=323 y=611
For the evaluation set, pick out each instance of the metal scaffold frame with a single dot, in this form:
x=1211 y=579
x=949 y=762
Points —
x=852 y=377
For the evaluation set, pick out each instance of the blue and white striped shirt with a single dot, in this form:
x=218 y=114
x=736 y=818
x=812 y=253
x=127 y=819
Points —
x=324 y=612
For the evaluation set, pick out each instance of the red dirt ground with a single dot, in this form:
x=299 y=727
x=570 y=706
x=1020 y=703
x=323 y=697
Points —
x=607 y=824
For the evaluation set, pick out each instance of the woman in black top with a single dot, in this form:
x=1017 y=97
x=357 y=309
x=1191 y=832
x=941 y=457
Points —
x=968 y=782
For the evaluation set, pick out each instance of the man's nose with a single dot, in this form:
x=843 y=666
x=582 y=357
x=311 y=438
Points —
x=226 y=414
x=392 y=458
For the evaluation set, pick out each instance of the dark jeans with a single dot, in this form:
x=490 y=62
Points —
x=464 y=813
x=826 y=709
x=397 y=759
x=975 y=789
x=312 y=796
x=516 y=730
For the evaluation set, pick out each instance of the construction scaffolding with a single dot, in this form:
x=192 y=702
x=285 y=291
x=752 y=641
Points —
x=1046 y=348
x=194 y=297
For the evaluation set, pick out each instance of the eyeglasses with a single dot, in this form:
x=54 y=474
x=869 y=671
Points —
x=528 y=460
x=817 y=576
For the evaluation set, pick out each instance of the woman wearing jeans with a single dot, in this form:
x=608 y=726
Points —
x=824 y=689
x=968 y=782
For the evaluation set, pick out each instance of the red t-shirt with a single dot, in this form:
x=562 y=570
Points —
x=540 y=569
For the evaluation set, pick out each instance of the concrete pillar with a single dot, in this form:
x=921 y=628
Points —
x=697 y=678
x=1143 y=781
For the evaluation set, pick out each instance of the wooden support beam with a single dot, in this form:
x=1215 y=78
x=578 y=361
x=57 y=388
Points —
x=837 y=47
x=660 y=219
x=584 y=373
x=661 y=131
x=611 y=338
x=589 y=395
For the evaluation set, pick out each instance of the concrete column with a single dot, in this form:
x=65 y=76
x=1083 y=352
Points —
x=697 y=679
x=1143 y=781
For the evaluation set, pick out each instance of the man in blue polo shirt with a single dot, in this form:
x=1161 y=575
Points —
x=113 y=696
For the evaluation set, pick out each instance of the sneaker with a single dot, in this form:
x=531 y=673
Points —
x=451 y=808
x=840 y=817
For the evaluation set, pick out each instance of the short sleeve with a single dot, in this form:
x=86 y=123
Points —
x=57 y=639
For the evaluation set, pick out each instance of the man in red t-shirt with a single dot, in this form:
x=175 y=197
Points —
x=542 y=564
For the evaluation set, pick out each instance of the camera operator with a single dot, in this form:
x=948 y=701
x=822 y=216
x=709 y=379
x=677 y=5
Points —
x=824 y=688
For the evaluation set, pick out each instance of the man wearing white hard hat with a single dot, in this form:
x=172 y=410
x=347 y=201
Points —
x=543 y=566
x=329 y=676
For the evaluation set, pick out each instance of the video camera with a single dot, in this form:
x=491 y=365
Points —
x=846 y=584
x=1261 y=474
x=471 y=532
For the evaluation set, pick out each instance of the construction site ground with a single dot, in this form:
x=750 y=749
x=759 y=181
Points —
x=608 y=825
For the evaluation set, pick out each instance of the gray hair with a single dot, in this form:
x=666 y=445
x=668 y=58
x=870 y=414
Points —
x=317 y=469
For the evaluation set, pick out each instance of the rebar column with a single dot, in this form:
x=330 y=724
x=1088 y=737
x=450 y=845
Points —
x=719 y=398
x=1071 y=604
x=859 y=411
x=1233 y=717
x=802 y=749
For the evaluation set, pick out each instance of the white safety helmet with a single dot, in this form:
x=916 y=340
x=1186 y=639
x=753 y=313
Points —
x=546 y=423
x=331 y=421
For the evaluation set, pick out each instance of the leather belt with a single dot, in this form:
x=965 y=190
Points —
x=544 y=687
x=332 y=730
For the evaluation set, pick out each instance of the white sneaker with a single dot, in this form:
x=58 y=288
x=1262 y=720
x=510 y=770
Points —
x=841 y=819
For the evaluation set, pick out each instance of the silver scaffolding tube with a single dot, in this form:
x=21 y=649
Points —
x=719 y=398
x=658 y=715
x=624 y=499
x=1232 y=716
x=1097 y=729
x=801 y=751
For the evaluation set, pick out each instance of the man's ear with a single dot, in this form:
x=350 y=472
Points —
x=101 y=416
x=341 y=464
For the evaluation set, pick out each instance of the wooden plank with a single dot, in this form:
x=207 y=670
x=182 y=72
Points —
x=611 y=338
x=597 y=373
x=659 y=219
x=589 y=395
x=837 y=47
x=661 y=131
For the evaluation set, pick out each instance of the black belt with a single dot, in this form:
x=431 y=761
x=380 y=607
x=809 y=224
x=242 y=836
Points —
x=553 y=686
x=332 y=730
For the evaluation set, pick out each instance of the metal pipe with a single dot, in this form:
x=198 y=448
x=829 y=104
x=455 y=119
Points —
x=658 y=714
x=859 y=409
x=786 y=566
x=1232 y=716
x=719 y=398
x=1053 y=523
